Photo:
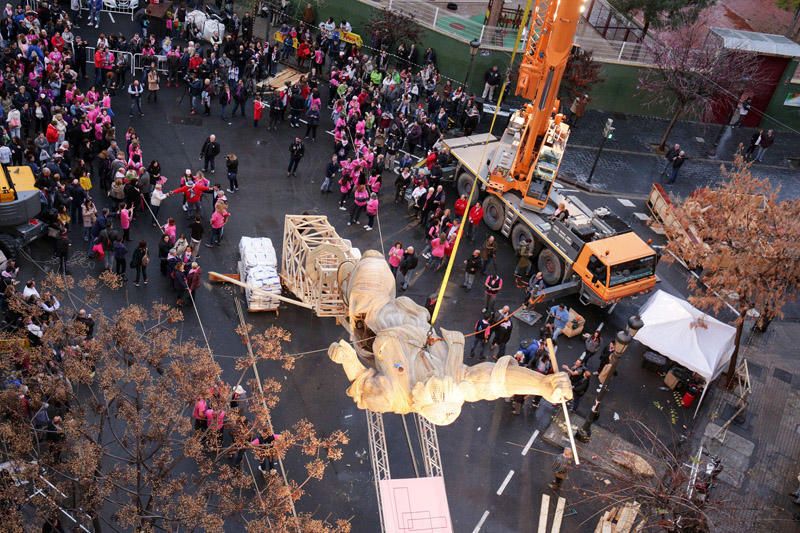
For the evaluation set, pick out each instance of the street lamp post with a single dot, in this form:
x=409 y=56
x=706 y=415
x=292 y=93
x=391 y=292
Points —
x=621 y=342
x=474 y=46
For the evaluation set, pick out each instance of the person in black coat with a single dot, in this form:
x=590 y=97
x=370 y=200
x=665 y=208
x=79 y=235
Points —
x=407 y=264
x=209 y=152
x=62 y=251
x=296 y=152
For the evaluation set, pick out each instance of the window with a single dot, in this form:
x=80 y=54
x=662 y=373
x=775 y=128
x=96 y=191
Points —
x=632 y=270
x=597 y=269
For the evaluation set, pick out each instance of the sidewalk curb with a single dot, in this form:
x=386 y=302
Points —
x=591 y=189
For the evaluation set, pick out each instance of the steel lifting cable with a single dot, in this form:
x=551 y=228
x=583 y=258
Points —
x=451 y=262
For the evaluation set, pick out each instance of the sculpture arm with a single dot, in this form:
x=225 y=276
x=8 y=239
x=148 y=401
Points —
x=489 y=381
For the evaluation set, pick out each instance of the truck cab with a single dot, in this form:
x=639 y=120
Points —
x=614 y=268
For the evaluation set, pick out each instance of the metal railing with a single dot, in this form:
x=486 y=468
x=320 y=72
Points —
x=141 y=60
x=90 y=50
x=612 y=24
x=122 y=7
x=465 y=30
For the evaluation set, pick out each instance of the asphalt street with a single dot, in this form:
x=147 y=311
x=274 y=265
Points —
x=484 y=444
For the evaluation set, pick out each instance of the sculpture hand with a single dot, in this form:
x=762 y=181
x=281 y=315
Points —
x=560 y=388
x=341 y=352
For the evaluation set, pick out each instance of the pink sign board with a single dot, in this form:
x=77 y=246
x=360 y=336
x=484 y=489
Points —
x=415 y=505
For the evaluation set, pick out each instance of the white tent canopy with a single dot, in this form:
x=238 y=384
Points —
x=678 y=330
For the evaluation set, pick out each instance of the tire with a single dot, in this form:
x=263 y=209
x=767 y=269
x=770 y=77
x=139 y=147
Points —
x=494 y=212
x=8 y=249
x=520 y=231
x=550 y=266
x=464 y=183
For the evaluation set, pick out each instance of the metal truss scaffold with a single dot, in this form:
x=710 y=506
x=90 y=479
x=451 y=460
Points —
x=378 y=454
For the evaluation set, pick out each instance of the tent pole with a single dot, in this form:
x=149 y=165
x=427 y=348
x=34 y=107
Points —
x=702 y=395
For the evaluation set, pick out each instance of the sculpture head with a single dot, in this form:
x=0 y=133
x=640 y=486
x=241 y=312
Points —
x=438 y=399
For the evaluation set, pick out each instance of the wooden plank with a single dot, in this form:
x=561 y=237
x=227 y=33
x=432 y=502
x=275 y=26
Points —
x=558 y=516
x=259 y=289
x=216 y=278
x=543 y=511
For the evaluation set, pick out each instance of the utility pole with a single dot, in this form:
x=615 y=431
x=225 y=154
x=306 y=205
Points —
x=608 y=132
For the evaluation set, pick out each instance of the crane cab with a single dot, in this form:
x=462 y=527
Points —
x=545 y=168
x=615 y=267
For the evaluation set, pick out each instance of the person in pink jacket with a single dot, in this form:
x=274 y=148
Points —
x=438 y=246
x=125 y=217
x=395 y=256
x=361 y=197
x=372 y=211
x=199 y=414
x=218 y=220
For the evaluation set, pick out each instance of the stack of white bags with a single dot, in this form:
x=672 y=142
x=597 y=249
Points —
x=258 y=268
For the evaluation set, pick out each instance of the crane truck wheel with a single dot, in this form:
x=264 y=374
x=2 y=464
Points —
x=464 y=183
x=8 y=249
x=494 y=212
x=550 y=266
x=521 y=231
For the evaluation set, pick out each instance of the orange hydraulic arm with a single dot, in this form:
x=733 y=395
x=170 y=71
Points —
x=553 y=27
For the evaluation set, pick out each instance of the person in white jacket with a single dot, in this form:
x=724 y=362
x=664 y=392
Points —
x=155 y=201
x=14 y=123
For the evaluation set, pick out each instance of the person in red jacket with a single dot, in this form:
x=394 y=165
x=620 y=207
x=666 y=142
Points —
x=461 y=206
x=52 y=137
x=99 y=66
x=57 y=41
x=258 y=109
x=195 y=61
x=473 y=219
x=430 y=160
x=192 y=193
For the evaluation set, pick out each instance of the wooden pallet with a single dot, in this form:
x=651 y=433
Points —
x=279 y=80
x=619 y=519
x=235 y=279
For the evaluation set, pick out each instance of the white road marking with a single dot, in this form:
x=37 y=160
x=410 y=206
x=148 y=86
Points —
x=505 y=482
x=626 y=202
x=543 y=511
x=611 y=309
x=641 y=216
x=481 y=521
x=527 y=447
x=558 y=516
x=112 y=18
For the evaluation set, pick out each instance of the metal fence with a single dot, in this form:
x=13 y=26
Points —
x=122 y=7
x=140 y=61
x=502 y=38
x=611 y=24
x=90 y=50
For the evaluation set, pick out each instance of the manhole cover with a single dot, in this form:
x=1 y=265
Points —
x=186 y=121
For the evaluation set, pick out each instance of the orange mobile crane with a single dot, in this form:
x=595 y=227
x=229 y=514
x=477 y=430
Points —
x=591 y=252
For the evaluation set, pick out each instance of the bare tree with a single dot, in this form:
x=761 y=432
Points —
x=388 y=29
x=693 y=76
x=581 y=74
x=126 y=450
x=655 y=474
x=746 y=245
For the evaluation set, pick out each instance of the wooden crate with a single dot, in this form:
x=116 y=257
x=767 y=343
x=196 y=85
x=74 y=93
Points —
x=312 y=255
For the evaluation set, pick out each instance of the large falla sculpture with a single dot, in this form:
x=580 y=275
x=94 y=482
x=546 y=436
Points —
x=397 y=362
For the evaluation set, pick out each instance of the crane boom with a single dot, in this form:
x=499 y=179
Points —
x=527 y=158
